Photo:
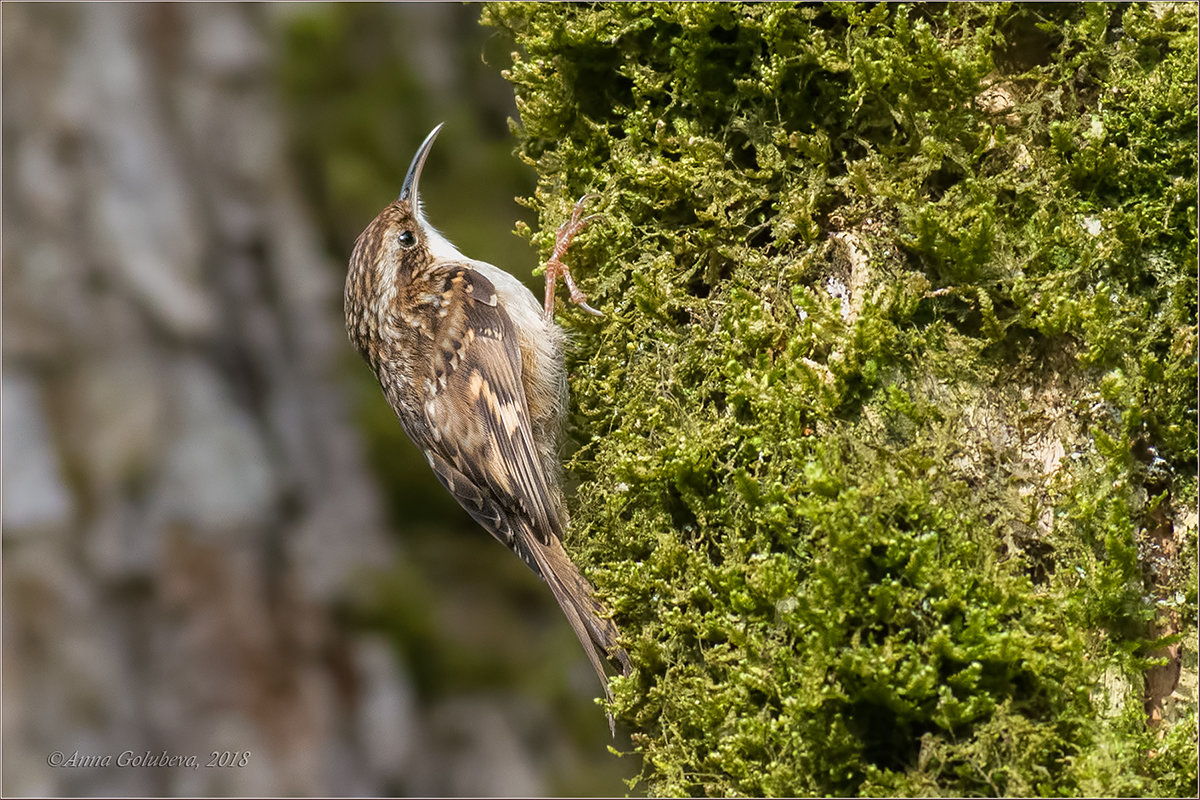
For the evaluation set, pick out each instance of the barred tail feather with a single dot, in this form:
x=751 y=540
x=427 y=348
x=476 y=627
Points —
x=575 y=595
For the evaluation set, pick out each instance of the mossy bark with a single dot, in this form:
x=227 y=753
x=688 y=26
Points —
x=887 y=441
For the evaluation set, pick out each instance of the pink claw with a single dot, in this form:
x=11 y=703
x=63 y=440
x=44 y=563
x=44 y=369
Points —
x=555 y=266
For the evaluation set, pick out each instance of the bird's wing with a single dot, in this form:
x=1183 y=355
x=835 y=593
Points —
x=481 y=448
x=481 y=443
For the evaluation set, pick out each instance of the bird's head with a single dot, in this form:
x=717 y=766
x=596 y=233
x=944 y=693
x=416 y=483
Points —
x=397 y=248
x=400 y=232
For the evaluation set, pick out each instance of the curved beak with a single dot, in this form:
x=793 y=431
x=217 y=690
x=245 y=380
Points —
x=409 y=190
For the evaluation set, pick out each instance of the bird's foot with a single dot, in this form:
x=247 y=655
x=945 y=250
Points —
x=555 y=266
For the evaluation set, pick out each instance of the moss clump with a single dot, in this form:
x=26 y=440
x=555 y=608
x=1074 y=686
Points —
x=895 y=397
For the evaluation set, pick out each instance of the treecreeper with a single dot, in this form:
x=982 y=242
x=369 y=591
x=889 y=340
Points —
x=473 y=367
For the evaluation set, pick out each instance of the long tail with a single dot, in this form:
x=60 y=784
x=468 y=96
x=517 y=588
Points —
x=575 y=595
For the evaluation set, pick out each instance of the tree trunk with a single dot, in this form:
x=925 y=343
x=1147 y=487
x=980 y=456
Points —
x=184 y=494
x=888 y=436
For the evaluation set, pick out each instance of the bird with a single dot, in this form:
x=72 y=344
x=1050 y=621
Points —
x=473 y=367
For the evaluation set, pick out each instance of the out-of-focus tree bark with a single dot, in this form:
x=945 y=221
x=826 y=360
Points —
x=184 y=494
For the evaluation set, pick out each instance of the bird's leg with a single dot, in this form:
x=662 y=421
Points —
x=555 y=266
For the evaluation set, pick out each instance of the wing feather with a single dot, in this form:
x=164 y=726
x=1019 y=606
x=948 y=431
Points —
x=485 y=453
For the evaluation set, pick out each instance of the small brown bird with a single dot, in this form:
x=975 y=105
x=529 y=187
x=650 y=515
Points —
x=473 y=366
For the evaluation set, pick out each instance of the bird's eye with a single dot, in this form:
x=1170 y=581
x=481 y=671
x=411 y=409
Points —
x=407 y=239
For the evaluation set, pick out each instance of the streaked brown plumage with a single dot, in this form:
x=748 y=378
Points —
x=473 y=367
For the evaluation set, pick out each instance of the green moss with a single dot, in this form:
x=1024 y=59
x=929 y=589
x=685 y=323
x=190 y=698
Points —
x=895 y=386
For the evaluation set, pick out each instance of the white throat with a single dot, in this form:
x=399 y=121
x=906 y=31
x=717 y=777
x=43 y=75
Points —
x=439 y=246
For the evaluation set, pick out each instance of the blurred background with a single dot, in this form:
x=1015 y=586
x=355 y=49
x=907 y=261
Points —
x=216 y=537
